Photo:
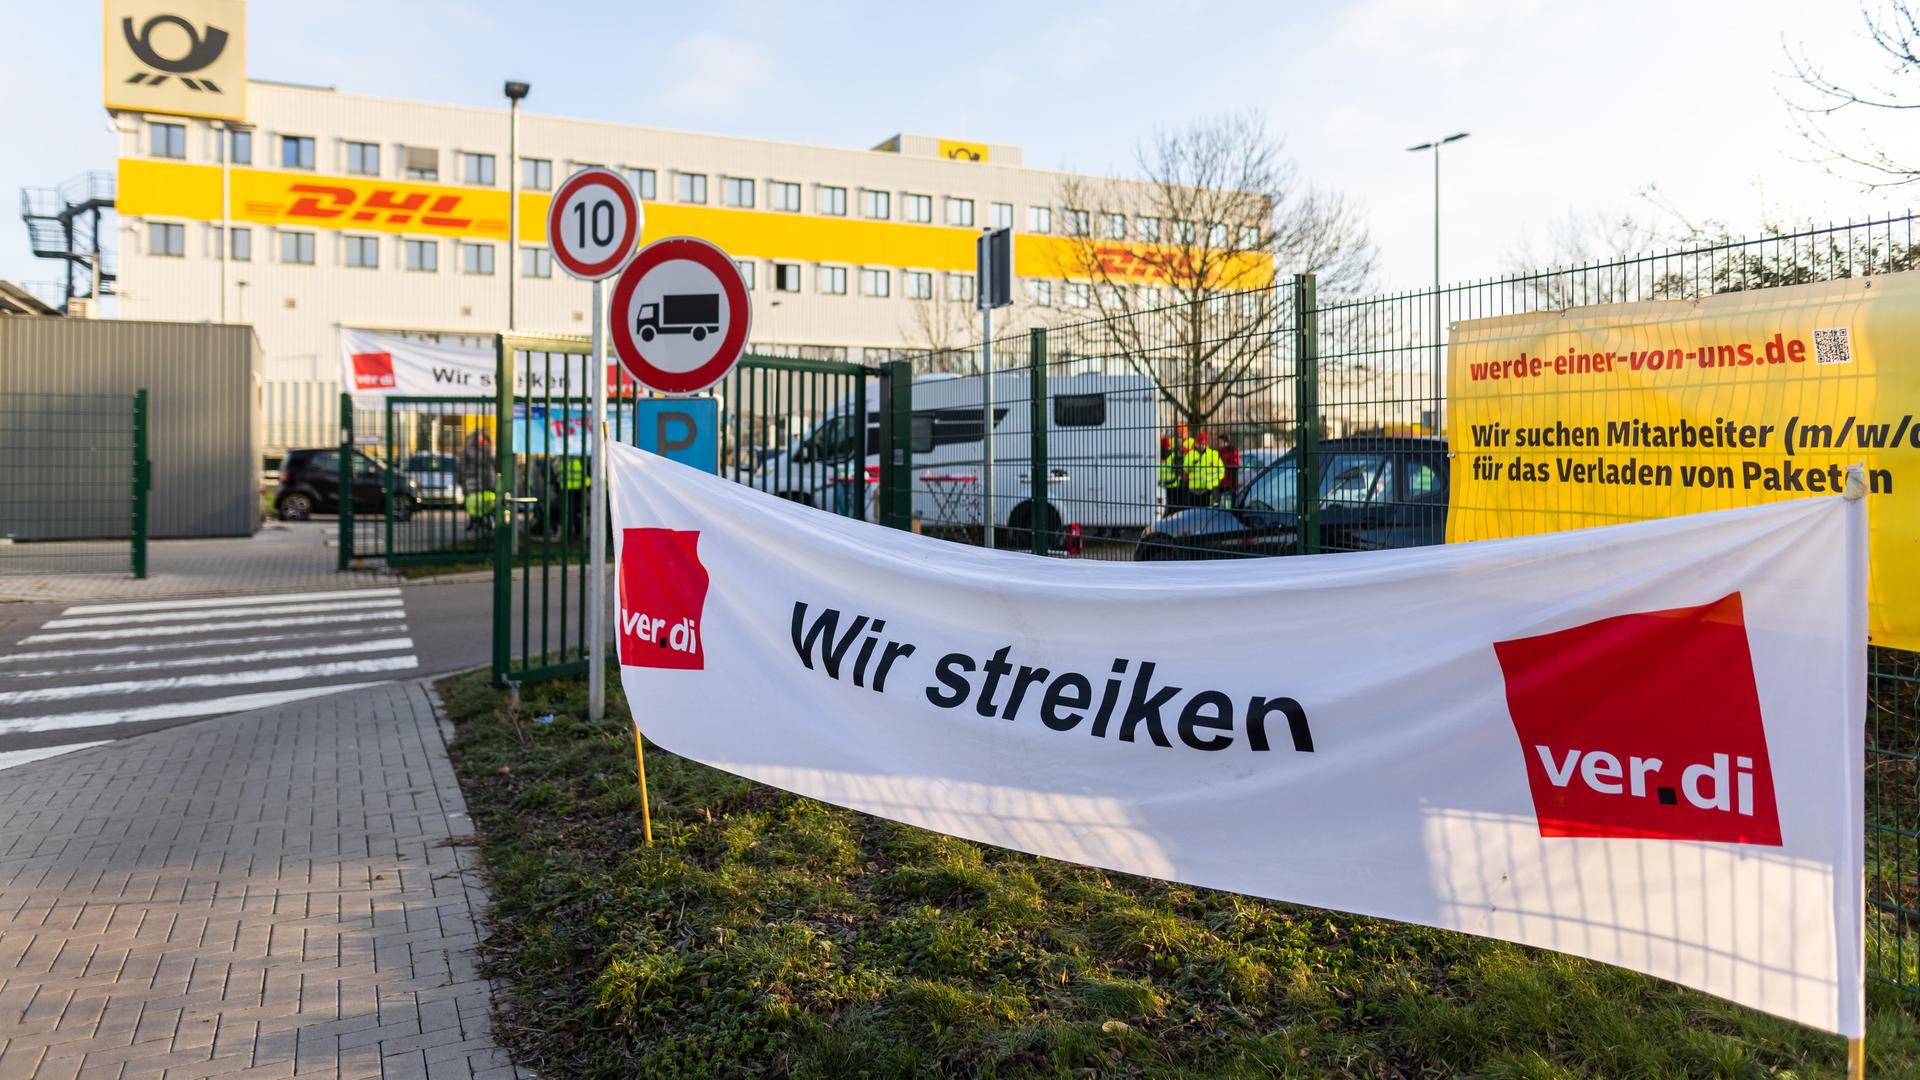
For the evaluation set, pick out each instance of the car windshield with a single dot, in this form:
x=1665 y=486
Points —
x=1346 y=479
x=430 y=463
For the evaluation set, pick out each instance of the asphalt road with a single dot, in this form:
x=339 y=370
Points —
x=74 y=675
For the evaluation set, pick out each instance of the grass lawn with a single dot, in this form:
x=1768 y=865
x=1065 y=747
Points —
x=770 y=935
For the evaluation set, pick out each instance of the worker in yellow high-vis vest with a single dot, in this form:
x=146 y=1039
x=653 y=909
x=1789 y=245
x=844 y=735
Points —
x=575 y=479
x=1205 y=470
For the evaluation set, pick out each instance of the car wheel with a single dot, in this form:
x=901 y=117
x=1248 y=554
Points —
x=295 y=507
x=1154 y=551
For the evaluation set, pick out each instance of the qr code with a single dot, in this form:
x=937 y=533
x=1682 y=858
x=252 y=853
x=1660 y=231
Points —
x=1833 y=346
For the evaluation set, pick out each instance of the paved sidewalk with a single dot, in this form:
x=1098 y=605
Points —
x=267 y=894
x=281 y=557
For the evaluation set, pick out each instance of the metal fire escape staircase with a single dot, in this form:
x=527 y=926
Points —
x=65 y=223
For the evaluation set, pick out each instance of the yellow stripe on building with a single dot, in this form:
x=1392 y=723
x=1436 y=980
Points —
x=170 y=189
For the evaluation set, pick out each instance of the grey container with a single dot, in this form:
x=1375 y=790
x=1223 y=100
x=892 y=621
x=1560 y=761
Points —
x=203 y=384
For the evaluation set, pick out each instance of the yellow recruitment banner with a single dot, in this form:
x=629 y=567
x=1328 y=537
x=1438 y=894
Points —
x=1605 y=414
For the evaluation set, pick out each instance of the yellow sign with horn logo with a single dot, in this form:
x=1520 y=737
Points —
x=185 y=57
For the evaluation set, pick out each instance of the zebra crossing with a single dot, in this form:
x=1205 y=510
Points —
x=98 y=672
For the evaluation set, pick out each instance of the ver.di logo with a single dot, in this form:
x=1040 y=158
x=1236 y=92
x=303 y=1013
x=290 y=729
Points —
x=202 y=50
x=1645 y=725
x=662 y=589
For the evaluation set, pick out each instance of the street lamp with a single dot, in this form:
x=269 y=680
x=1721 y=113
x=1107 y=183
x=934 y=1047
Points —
x=1439 y=384
x=514 y=91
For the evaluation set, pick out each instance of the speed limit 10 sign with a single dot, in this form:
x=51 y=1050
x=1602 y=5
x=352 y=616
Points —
x=593 y=224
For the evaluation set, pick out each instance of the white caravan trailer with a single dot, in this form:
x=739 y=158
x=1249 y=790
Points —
x=1103 y=439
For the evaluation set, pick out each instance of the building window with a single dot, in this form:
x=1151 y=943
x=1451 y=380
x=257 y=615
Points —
x=363 y=252
x=363 y=159
x=477 y=169
x=166 y=238
x=1078 y=295
x=1217 y=237
x=536 y=262
x=1184 y=233
x=1148 y=230
x=833 y=200
x=1040 y=293
x=832 y=280
x=1077 y=222
x=167 y=140
x=1003 y=215
x=876 y=283
x=423 y=163
x=645 y=182
x=296 y=248
x=877 y=205
x=1249 y=238
x=786 y=277
x=918 y=208
x=692 y=187
x=242 y=146
x=1039 y=219
x=242 y=250
x=423 y=255
x=959 y=211
x=919 y=285
x=739 y=192
x=536 y=174
x=786 y=196
x=476 y=258
x=296 y=151
x=959 y=286
x=1113 y=226
x=745 y=267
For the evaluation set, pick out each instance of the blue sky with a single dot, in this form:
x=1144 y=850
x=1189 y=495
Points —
x=1574 y=108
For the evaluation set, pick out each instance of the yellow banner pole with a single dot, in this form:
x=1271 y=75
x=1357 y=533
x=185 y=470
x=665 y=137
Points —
x=1856 y=1059
x=646 y=814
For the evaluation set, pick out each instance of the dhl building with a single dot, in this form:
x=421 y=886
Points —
x=304 y=210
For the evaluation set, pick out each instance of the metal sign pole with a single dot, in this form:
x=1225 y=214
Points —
x=597 y=517
x=983 y=288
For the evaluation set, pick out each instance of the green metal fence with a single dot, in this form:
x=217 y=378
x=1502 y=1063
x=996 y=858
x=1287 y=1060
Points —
x=1332 y=408
x=790 y=427
x=74 y=484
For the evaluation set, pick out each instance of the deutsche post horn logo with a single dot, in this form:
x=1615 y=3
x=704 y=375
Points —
x=201 y=51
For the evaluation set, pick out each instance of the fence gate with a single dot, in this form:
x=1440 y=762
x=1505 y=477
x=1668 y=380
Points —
x=793 y=428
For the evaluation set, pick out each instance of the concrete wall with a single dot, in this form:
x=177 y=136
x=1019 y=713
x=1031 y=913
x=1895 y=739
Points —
x=203 y=384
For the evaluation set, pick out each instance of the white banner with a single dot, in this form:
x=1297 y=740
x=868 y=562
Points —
x=375 y=364
x=1641 y=744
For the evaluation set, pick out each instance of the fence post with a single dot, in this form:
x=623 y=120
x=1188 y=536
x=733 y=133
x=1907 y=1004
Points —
x=1039 y=490
x=504 y=511
x=1306 y=410
x=896 y=445
x=344 y=523
x=142 y=483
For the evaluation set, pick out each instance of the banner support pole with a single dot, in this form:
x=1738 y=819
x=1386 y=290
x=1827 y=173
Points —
x=597 y=519
x=1856 y=1059
x=646 y=811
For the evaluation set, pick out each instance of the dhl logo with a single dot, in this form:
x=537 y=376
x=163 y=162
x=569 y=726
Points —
x=325 y=202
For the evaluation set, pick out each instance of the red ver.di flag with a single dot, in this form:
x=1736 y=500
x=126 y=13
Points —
x=1640 y=744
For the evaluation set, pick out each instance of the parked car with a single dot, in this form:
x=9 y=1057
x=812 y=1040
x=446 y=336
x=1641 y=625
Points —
x=310 y=484
x=1381 y=492
x=438 y=478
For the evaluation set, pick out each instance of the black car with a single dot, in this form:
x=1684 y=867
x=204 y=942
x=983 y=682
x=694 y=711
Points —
x=1374 y=492
x=310 y=484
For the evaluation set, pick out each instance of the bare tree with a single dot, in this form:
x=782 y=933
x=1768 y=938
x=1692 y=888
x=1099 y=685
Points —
x=1181 y=266
x=944 y=330
x=1895 y=31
